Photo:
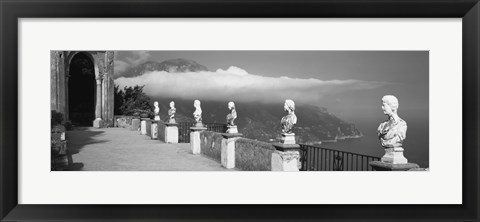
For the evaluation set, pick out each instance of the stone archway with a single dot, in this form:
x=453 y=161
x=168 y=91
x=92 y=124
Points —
x=81 y=94
x=75 y=72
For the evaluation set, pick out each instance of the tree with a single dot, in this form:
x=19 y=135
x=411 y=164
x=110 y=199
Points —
x=118 y=100
x=132 y=100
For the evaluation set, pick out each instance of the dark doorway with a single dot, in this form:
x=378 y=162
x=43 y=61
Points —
x=81 y=91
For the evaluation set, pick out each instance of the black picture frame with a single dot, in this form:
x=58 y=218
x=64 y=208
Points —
x=12 y=10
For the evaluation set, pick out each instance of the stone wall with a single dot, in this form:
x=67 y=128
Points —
x=211 y=144
x=252 y=155
x=57 y=82
x=123 y=121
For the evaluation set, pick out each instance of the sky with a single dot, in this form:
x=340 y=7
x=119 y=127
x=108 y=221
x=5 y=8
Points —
x=349 y=84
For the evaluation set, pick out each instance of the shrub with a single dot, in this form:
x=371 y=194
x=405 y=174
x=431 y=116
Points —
x=68 y=125
x=132 y=100
x=56 y=118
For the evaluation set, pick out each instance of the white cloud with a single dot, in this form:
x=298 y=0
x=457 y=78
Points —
x=238 y=85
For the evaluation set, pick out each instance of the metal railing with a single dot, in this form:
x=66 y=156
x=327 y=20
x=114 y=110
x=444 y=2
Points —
x=315 y=158
x=184 y=130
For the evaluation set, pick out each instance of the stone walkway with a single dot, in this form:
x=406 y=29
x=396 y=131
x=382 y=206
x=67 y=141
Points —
x=119 y=149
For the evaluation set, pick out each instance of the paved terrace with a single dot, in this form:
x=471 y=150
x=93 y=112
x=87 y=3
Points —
x=120 y=149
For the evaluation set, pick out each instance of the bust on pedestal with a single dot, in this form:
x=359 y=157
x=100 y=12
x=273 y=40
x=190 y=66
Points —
x=288 y=121
x=197 y=114
x=391 y=134
x=227 y=154
x=287 y=154
x=231 y=127
x=195 y=131
x=156 y=111
x=171 y=112
x=171 y=130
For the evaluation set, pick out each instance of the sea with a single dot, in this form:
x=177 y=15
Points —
x=416 y=144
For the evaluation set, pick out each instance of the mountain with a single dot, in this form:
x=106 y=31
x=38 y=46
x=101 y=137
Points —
x=172 y=65
x=262 y=121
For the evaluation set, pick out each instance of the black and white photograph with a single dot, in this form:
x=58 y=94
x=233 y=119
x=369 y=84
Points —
x=239 y=110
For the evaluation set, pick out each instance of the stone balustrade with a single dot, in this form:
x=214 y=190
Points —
x=233 y=151
x=166 y=132
x=253 y=155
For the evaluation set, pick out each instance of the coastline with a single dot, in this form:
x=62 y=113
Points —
x=337 y=138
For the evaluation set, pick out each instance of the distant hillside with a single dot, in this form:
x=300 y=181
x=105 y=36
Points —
x=173 y=65
x=262 y=121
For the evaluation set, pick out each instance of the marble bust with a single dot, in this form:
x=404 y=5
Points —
x=197 y=115
x=171 y=112
x=232 y=115
x=232 y=128
x=156 y=111
x=290 y=119
x=393 y=131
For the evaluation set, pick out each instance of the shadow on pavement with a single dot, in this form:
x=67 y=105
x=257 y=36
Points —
x=78 y=138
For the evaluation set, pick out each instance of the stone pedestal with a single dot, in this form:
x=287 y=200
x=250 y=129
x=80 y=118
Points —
x=228 y=149
x=149 y=128
x=286 y=157
x=135 y=124
x=394 y=156
x=172 y=120
x=154 y=130
x=288 y=138
x=195 y=143
x=232 y=129
x=143 y=126
x=171 y=133
x=383 y=166
x=98 y=123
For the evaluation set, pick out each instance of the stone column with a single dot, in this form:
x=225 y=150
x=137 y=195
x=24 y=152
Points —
x=195 y=143
x=143 y=126
x=98 y=122
x=383 y=166
x=393 y=160
x=286 y=157
x=171 y=133
x=149 y=128
x=154 y=129
x=67 y=116
x=288 y=138
x=228 y=149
